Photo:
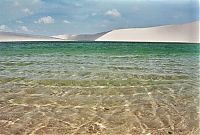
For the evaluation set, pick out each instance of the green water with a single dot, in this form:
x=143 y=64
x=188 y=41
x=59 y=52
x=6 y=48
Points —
x=97 y=48
x=99 y=88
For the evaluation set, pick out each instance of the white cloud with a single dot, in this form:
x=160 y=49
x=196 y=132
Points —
x=45 y=20
x=4 y=28
x=16 y=3
x=113 y=12
x=94 y=14
x=24 y=28
x=20 y=22
x=27 y=11
x=78 y=5
x=36 y=1
x=65 y=21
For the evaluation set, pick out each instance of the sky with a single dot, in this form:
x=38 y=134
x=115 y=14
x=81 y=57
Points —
x=54 y=17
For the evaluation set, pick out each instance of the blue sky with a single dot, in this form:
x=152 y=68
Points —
x=52 y=17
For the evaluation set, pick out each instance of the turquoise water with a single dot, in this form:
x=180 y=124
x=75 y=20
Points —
x=65 y=60
x=99 y=87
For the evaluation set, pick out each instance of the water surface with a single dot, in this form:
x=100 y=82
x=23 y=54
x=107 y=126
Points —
x=99 y=88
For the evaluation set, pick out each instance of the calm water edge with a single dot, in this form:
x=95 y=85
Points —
x=99 y=88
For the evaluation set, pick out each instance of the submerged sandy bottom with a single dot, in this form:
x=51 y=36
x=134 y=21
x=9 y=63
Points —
x=104 y=92
x=145 y=108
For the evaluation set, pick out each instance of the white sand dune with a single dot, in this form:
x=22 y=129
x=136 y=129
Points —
x=82 y=37
x=12 y=37
x=186 y=33
x=183 y=33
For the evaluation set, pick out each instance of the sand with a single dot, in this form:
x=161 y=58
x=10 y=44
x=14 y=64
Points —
x=12 y=37
x=81 y=37
x=186 y=33
x=181 y=33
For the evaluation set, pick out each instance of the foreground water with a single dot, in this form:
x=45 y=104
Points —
x=99 y=88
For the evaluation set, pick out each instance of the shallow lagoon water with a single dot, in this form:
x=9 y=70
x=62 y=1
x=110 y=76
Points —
x=99 y=88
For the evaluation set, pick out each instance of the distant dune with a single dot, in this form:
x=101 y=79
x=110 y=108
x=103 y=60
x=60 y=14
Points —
x=183 y=33
x=186 y=33
x=83 y=37
x=11 y=37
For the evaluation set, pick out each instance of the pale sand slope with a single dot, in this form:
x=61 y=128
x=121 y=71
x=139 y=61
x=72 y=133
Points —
x=82 y=37
x=186 y=33
x=11 y=37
